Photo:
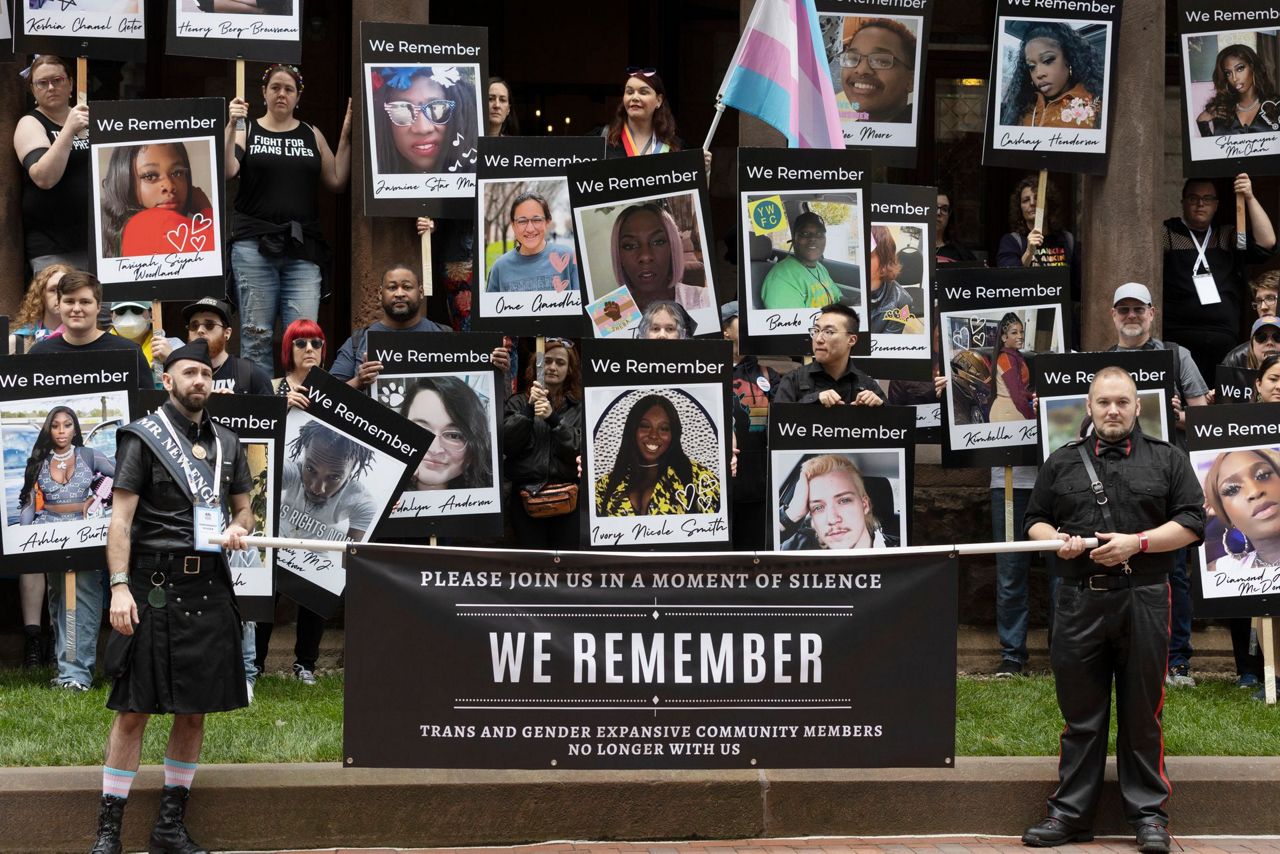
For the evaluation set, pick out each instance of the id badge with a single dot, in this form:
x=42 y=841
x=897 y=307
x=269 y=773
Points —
x=208 y=522
x=1206 y=288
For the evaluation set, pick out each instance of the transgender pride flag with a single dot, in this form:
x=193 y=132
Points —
x=779 y=74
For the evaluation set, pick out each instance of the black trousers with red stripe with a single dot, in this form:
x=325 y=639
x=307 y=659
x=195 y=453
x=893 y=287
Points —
x=1100 y=637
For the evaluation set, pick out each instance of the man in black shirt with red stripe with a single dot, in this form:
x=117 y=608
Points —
x=1139 y=496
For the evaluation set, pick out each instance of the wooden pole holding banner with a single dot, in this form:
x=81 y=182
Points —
x=1267 y=646
x=1040 y=199
x=1242 y=238
x=426 y=264
x=240 y=123
x=1008 y=504
x=539 y=356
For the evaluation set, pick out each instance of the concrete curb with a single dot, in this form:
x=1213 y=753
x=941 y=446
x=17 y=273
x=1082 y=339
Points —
x=257 y=807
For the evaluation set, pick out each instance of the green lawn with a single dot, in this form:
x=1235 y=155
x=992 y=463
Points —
x=289 y=722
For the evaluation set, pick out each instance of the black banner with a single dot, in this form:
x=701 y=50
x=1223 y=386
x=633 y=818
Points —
x=1226 y=129
x=987 y=419
x=1062 y=392
x=157 y=212
x=1234 y=385
x=113 y=30
x=423 y=90
x=783 y=285
x=689 y=661
x=345 y=459
x=879 y=107
x=447 y=385
x=519 y=288
x=841 y=476
x=258 y=421
x=1052 y=89
x=1235 y=450
x=271 y=33
x=631 y=218
x=58 y=412
x=901 y=268
x=658 y=430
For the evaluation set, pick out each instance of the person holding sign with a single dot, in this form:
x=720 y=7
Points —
x=52 y=144
x=652 y=474
x=643 y=123
x=277 y=248
x=830 y=509
x=1112 y=608
x=832 y=379
x=1059 y=82
x=1264 y=288
x=38 y=317
x=1241 y=83
x=502 y=118
x=800 y=280
x=534 y=264
x=1268 y=382
x=175 y=644
x=542 y=439
x=1204 y=275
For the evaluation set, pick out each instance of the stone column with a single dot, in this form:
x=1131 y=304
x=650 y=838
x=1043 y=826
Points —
x=375 y=241
x=13 y=103
x=1122 y=211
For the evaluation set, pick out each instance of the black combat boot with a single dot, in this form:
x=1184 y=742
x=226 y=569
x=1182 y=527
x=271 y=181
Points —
x=32 y=648
x=110 y=814
x=169 y=836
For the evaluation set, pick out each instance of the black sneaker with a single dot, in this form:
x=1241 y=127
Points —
x=1153 y=839
x=1009 y=669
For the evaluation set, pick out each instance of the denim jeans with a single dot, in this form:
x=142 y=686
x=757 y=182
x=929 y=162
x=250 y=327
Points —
x=1011 y=579
x=268 y=288
x=249 y=650
x=88 y=619
x=1180 y=621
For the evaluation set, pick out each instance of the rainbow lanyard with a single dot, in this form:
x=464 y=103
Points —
x=653 y=146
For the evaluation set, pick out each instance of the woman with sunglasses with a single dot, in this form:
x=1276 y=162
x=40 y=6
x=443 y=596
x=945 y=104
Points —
x=53 y=147
x=424 y=119
x=643 y=123
x=1264 y=341
x=542 y=438
x=534 y=264
x=302 y=349
x=277 y=248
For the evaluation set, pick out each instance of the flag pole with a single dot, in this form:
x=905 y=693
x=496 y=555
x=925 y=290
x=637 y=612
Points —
x=715 y=123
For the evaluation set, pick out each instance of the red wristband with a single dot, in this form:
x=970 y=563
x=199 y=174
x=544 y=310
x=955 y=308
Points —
x=1143 y=542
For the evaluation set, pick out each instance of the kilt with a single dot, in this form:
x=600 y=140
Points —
x=183 y=658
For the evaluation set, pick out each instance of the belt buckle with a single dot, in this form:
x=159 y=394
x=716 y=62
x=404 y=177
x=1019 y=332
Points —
x=1097 y=589
x=191 y=561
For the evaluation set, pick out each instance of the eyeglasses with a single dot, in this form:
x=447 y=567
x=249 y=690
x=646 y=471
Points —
x=638 y=71
x=1198 y=200
x=876 y=61
x=49 y=82
x=403 y=113
x=817 y=332
x=808 y=236
x=1135 y=310
x=453 y=440
x=1261 y=302
x=313 y=343
x=530 y=220
x=944 y=209
x=206 y=325
x=128 y=309
x=1261 y=337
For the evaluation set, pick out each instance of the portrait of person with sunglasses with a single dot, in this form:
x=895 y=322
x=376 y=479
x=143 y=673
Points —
x=875 y=71
x=425 y=118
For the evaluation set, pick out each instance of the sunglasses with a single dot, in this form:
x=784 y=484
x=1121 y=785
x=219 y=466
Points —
x=313 y=343
x=1262 y=337
x=402 y=113
x=206 y=325
x=639 y=71
x=559 y=342
x=1135 y=310
x=128 y=309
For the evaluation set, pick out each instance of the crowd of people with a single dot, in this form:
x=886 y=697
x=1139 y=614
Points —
x=278 y=258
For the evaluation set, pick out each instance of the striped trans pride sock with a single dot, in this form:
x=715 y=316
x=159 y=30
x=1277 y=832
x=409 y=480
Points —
x=116 y=782
x=179 y=773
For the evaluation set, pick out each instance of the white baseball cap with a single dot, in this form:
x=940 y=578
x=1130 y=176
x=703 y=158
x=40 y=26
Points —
x=1132 y=290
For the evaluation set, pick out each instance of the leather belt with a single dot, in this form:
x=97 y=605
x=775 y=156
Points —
x=173 y=562
x=1108 y=581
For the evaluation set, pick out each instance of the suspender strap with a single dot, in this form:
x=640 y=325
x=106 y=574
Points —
x=1099 y=494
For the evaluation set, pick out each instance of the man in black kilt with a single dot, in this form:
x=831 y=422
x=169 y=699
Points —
x=175 y=644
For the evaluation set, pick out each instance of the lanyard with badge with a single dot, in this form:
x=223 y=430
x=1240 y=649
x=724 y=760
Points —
x=1206 y=287
x=206 y=519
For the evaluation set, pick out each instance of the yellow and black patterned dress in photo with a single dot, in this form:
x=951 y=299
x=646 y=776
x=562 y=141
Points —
x=672 y=494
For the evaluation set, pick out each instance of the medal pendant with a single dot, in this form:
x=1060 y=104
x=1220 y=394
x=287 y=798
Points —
x=199 y=452
x=156 y=597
